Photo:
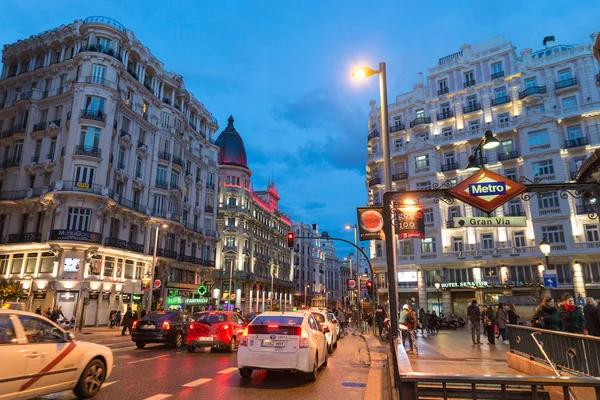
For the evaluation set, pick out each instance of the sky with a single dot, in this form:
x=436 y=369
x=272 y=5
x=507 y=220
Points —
x=283 y=70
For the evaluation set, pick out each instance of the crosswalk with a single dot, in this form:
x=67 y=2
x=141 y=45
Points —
x=192 y=384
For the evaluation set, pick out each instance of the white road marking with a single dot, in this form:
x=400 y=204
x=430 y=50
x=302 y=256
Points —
x=159 y=397
x=147 y=359
x=228 y=370
x=197 y=382
x=107 y=384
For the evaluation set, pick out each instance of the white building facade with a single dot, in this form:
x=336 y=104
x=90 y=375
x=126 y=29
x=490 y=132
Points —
x=543 y=106
x=99 y=145
x=333 y=278
x=310 y=261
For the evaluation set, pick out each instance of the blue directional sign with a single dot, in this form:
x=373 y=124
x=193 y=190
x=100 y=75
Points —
x=550 y=280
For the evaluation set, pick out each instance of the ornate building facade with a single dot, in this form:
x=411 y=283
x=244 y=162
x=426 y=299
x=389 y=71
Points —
x=99 y=146
x=310 y=264
x=253 y=253
x=543 y=106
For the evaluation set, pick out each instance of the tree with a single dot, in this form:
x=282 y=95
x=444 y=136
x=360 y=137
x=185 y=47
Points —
x=10 y=290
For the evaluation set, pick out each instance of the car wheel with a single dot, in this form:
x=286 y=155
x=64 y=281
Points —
x=91 y=380
x=312 y=376
x=245 y=372
x=329 y=348
x=335 y=345
x=325 y=362
x=191 y=348
x=140 y=345
x=231 y=347
x=178 y=340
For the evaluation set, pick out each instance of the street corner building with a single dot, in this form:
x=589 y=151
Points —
x=543 y=106
x=99 y=146
x=253 y=263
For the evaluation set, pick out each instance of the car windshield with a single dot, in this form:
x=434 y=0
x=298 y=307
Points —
x=280 y=320
x=319 y=317
x=157 y=316
x=331 y=316
x=211 y=318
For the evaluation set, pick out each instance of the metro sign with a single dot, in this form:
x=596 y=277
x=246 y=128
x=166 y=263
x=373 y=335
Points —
x=486 y=190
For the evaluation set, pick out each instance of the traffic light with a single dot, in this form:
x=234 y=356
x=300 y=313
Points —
x=290 y=238
x=370 y=288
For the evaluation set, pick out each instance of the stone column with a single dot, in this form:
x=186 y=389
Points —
x=447 y=300
x=422 y=289
x=578 y=281
x=62 y=53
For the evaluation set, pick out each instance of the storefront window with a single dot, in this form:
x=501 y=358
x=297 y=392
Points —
x=129 y=269
x=109 y=266
x=47 y=264
x=139 y=270
x=17 y=263
x=3 y=264
x=490 y=298
x=31 y=261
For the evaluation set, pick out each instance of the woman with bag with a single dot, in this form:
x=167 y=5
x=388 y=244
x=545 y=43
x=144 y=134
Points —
x=547 y=316
x=488 y=322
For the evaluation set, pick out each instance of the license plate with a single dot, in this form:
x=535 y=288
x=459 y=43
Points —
x=148 y=327
x=273 y=343
x=205 y=339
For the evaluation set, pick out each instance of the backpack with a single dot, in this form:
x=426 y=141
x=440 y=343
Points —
x=410 y=318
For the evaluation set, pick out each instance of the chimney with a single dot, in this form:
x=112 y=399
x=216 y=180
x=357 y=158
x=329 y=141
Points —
x=549 y=41
x=421 y=78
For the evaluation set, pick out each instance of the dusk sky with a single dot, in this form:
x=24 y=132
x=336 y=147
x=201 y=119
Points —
x=282 y=69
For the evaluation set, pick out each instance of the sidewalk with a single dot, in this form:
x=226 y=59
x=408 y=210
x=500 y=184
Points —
x=378 y=381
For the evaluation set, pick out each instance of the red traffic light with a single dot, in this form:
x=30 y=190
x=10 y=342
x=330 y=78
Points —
x=290 y=239
x=369 y=284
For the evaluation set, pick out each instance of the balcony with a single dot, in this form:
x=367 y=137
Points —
x=374 y=181
x=480 y=161
x=19 y=128
x=498 y=101
x=400 y=177
x=131 y=205
x=166 y=100
x=472 y=107
x=50 y=157
x=211 y=233
x=178 y=161
x=373 y=135
x=35 y=159
x=445 y=115
x=209 y=209
x=508 y=155
x=40 y=126
x=210 y=185
x=565 y=83
x=74 y=186
x=531 y=91
x=135 y=76
x=190 y=259
x=75 y=236
x=90 y=151
x=7 y=133
x=164 y=155
x=450 y=224
x=469 y=83
x=14 y=195
x=498 y=75
x=420 y=121
x=56 y=123
x=24 y=238
x=578 y=142
x=101 y=49
x=95 y=115
x=123 y=244
x=140 y=144
x=13 y=162
x=450 y=166
x=443 y=91
x=162 y=252
x=174 y=186
x=162 y=184
x=515 y=213
x=397 y=127
x=586 y=209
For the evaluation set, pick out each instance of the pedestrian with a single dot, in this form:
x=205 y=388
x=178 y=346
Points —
x=489 y=323
x=409 y=320
x=572 y=315
x=143 y=314
x=423 y=321
x=127 y=321
x=434 y=322
x=48 y=313
x=474 y=314
x=341 y=317
x=547 y=316
x=429 y=322
x=379 y=318
x=111 y=319
x=592 y=317
x=502 y=320
x=118 y=319
x=38 y=310
x=54 y=315
x=60 y=313
x=513 y=317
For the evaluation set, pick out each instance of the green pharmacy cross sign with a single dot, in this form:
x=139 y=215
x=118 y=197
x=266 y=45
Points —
x=202 y=290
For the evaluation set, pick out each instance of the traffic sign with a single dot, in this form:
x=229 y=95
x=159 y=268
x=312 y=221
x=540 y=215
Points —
x=550 y=280
x=157 y=284
x=351 y=284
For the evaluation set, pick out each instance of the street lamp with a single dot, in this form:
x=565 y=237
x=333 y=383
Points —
x=151 y=287
x=488 y=142
x=437 y=287
x=29 y=297
x=305 y=295
x=545 y=249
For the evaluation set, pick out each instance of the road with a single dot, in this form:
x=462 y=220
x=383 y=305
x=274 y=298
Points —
x=158 y=373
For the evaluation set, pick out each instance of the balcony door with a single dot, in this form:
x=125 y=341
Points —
x=98 y=73
x=89 y=137
x=94 y=104
x=84 y=178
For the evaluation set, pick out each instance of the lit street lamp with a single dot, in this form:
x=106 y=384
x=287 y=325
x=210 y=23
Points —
x=151 y=287
x=545 y=249
x=437 y=287
x=29 y=296
x=489 y=142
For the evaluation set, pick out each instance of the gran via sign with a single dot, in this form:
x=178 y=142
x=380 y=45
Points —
x=490 y=221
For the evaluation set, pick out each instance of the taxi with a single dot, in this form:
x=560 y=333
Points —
x=40 y=358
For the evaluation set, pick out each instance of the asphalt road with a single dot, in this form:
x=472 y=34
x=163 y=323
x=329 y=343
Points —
x=157 y=373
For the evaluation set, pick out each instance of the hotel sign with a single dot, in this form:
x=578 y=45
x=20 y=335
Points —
x=486 y=191
x=468 y=222
x=464 y=284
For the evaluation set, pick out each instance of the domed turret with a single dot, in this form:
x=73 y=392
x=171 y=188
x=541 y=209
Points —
x=231 y=145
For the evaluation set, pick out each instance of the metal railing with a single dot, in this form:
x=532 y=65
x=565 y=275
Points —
x=40 y=126
x=400 y=176
x=471 y=108
x=164 y=155
x=532 y=90
x=419 y=121
x=123 y=244
x=397 y=127
x=91 y=151
x=23 y=237
x=95 y=115
x=104 y=20
x=508 y=155
x=579 y=142
x=162 y=184
x=445 y=115
x=373 y=135
x=162 y=252
x=565 y=83
x=101 y=49
x=498 y=75
x=178 y=161
x=471 y=82
x=443 y=90
x=500 y=100
x=449 y=166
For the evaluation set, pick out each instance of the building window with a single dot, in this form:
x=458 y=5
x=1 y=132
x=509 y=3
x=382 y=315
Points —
x=569 y=102
x=428 y=245
x=232 y=201
x=424 y=185
x=530 y=82
x=515 y=208
x=428 y=215
x=161 y=174
x=574 y=132
x=473 y=125
x=504 y=118
x=138 y=167
x=422 y=162
x=89 y=137
x=94 y=105
x=472 y=102
x=469 y=78
x=457 y=244
x=447 y=132
x=159 y=204
x=443 y=86
x=564 y=74
x=398 y=143
x=519 y=239
x=487 y=241
x=548 y=200
x=538 y=138
x=420 y=113
x=543 y=168
x=511 y=174
x=553 y=234
x=79 y=218
x=497 y=68
x=98 y=72
x=84 y=177
x=591 y=233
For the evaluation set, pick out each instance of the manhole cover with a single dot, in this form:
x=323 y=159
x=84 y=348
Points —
x=353 y=384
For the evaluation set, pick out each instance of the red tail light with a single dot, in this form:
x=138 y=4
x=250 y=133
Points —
x=272 y=326
x=325 y=328
x=244 y=340
x=166 y=326
x=303 y=339
x=135 y=324
x=192 y=326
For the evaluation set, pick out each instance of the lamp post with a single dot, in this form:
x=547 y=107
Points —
x=488 y=142
x=437 y=287
x=29 y=296
x=545 y=248
x=305 y=295
x=151 y=287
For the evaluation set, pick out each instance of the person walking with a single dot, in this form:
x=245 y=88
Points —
x=118 y=319
x=434 y=322
x=474 y=314
x=592 y=317
x=489 y=323
x=38 y=310
x=379 y=318
x=502 y=320
x=572 y=316
x=424 y=321
x=127 y=322
x=341 y=317
x=54 y=314
x=513 y=317
x=429 y=322
x=547 y=316
x=409 y=320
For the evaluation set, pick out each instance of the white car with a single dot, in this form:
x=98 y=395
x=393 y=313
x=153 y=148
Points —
x=333 y=319
x=40 y=358
x=276 y=341
x=329 y=328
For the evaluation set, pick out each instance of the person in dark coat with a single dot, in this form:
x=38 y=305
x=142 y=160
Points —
x=127 y=321
x=424 y=320
x=547 y=316
x=474 y=315
x=489 y=322
x=38 y=310
x=592 y=317
x=379 y=318
x=513 y=317
x=572 y=316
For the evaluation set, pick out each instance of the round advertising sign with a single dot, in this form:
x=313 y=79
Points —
x=157 y=283
x=371 y=221
x=351 y=283
x=232 y=297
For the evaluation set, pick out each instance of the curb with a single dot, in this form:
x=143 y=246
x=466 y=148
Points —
x=378 y=370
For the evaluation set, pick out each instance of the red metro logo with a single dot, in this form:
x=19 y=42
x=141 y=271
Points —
x=486 y=190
